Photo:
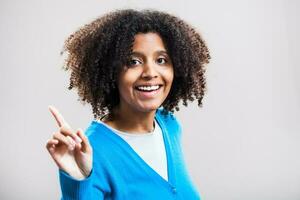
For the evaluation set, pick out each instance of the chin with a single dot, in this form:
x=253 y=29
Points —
x=148 y=108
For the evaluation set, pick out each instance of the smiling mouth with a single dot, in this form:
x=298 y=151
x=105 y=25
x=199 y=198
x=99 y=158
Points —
x=148 y=88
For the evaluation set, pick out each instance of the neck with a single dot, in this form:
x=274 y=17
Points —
x=131 y=121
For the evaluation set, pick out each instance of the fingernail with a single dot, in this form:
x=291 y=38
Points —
x=78 y=140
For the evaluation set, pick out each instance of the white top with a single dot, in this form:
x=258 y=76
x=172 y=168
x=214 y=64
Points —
x=149 y=146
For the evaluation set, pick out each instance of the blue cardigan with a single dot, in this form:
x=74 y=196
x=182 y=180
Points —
x=119 y=173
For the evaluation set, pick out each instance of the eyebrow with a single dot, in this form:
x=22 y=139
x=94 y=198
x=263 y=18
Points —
x=137 y=53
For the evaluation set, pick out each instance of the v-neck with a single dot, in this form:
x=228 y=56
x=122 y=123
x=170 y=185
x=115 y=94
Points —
x=170 y=168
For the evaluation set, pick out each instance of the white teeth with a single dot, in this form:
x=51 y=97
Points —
x=148 y=88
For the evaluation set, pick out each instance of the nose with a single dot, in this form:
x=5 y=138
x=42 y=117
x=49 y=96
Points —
x=149 y=71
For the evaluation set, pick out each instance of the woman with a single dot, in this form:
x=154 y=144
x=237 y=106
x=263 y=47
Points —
x=133 y=67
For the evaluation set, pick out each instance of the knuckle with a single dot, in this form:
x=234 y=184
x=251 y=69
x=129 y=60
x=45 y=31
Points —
x=62 y=129
x=66 y=131
x=56 y=135
x=71 y=141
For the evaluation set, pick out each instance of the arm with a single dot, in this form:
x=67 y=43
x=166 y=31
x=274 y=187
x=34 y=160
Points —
x=74 y=189
x=72 y=153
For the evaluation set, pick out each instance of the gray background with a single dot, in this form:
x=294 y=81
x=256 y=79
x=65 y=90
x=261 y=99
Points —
x=243 y=144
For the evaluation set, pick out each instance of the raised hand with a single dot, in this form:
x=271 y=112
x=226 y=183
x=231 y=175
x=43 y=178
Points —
x=70 y=150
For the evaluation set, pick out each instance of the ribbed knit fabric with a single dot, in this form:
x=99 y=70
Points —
x=119 y=173
x=149 y=146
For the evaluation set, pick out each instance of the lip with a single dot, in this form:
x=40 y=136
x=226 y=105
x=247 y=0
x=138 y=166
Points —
x=148 y=95
x=148 y=84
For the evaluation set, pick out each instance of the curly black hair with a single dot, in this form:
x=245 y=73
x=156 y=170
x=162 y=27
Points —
x=97 y=52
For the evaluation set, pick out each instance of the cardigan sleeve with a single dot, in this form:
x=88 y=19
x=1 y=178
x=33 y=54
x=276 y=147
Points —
x=73 y=189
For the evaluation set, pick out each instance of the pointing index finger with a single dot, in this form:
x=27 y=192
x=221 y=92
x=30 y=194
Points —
x=58 y=117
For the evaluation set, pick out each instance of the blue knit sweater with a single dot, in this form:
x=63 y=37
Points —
x=119 y=173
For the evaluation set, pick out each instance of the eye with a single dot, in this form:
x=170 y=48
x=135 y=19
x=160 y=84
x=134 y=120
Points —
x=161 y=61
x=133 y=62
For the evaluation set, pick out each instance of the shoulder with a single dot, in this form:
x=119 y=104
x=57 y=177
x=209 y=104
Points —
x=97 y=134
x=166 y=116
x=93 y=128
x=168 y=120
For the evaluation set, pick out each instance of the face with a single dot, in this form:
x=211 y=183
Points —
x=145 y=82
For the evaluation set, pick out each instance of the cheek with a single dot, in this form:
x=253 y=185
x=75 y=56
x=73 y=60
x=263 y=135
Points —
x=169 y=76
x=126 y=81
x=124 y=87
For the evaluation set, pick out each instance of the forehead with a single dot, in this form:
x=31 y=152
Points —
x=148 y=41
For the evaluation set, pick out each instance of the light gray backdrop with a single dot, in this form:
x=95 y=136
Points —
x=244 y=144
